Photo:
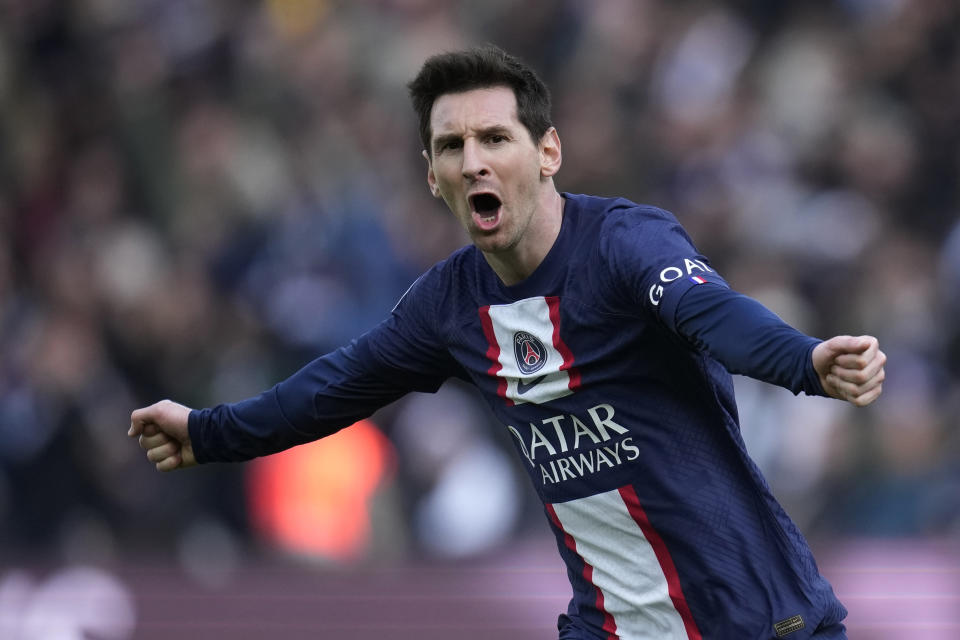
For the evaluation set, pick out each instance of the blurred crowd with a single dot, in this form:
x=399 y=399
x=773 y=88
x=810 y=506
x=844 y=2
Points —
x=197 y=197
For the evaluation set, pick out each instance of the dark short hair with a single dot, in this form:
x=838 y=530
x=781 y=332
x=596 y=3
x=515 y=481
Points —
x=479 y=68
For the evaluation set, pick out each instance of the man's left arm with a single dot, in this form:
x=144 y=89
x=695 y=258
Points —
x=654 y=265
x=749 y=339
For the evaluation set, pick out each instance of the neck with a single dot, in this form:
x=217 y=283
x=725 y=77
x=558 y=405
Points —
x=519 y=262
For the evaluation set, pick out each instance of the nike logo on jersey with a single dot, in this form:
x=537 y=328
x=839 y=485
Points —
x=523 y=386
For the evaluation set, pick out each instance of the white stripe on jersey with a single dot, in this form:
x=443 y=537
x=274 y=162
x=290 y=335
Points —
x=531 y=315
x=625 y=567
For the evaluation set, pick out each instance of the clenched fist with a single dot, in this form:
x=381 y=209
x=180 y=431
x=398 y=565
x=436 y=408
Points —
x=851 y=368
x=163 y=434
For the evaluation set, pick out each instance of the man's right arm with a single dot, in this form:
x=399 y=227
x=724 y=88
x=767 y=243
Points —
x=330 y=393
x=403 y=353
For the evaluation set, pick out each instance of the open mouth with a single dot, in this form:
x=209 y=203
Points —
x=486 y=210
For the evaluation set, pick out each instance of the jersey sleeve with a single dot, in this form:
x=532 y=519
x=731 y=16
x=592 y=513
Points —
x=653 y=261
x=402 y=354
x=747 y=338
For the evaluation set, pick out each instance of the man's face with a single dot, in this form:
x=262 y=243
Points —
x=485 y=166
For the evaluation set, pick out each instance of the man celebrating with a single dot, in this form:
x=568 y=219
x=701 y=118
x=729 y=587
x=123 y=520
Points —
x=602 y=340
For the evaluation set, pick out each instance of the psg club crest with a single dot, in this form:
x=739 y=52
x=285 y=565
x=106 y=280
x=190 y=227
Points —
x=530 y=352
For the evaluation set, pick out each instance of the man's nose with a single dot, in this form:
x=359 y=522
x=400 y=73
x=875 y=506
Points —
x=474 y=161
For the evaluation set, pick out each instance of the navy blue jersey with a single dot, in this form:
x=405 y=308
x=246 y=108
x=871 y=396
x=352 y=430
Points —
x=605 y=367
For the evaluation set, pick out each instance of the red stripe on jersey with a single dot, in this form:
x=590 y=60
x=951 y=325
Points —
x=553 y=303
x=609 y=624
x=629 y=495
x=493 y=353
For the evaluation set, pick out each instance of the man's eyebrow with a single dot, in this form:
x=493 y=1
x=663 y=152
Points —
x=492 y=130
x=443 y=139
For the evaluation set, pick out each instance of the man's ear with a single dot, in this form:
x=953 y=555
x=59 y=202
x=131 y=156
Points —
x=431 y=179
x=550 y=155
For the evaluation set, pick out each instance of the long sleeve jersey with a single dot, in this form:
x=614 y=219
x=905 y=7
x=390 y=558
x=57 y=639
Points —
x=610 y=368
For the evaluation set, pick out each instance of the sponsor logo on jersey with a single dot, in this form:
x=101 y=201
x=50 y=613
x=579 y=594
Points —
x=570 y=446
x=671 y=273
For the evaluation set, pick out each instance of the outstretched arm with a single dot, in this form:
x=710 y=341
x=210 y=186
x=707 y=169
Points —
x=328 y=394
x=334 y=391
x=654 y=265
x=749 y=339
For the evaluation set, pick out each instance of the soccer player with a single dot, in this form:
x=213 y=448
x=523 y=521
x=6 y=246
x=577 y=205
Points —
x=602 y=340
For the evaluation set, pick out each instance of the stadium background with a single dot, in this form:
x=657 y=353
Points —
x=198 y=197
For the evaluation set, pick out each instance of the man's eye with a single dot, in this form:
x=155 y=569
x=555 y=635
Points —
x=497 y=139
x=452 y=145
